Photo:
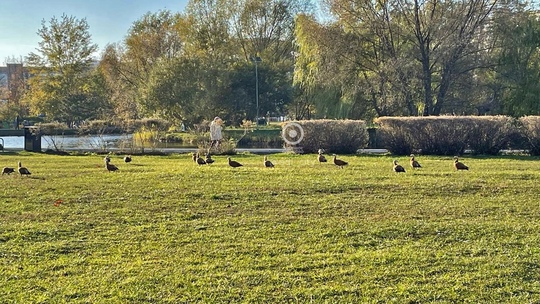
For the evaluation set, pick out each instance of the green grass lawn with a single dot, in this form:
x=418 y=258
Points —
x=164 y=230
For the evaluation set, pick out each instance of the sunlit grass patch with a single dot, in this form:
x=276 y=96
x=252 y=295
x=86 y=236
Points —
x=163 y=229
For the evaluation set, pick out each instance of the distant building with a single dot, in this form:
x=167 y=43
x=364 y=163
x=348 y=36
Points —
x=12 y=78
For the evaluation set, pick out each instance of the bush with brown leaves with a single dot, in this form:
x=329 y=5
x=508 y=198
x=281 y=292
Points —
x=445 y=135
x=530 y=128
x=334 y=136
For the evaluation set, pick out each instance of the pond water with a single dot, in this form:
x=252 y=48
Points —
x=90 y=142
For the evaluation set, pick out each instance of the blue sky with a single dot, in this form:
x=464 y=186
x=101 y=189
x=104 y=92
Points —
x=109 y=20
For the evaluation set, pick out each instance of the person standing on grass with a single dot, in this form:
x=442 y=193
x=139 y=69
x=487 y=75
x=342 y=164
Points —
x=215 y=132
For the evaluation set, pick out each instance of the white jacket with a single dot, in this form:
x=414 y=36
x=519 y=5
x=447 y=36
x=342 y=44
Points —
x=215 y=131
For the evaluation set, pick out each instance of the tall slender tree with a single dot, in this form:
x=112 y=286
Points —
x=60 y=69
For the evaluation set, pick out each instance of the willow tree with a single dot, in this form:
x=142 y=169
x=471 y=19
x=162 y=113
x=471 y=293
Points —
x=411 y=53
x=317 y=91
x=517 y=77
x=361 y=54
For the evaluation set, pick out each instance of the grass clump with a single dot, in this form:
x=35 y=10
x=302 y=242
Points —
x=164 y=230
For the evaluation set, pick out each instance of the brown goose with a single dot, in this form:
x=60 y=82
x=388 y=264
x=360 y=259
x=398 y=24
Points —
x=267 y=163
x=414 y=163
x=321 y=157
x=23 y=170
x=8 y=170
x=234 y=163
x=110 y=167
x=459 y=165
x=340 y=163
x=398 y=168
x=127 y=158
x=200 y=160
x=209 y=159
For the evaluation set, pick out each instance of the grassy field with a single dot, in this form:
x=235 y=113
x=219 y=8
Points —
x=164 y=230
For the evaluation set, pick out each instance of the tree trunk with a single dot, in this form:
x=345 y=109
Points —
x=424 y=45
x=443 y=89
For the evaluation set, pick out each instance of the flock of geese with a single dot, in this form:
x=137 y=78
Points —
x=397 y=167
x=322 y=159
x=416 y=165
x=235 y=164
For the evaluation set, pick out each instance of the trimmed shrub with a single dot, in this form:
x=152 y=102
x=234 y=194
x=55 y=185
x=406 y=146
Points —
x=395 y=135
x=490 y=134
x=530 y=128
x=445 y=135
x=334 y=136
x=429 y=135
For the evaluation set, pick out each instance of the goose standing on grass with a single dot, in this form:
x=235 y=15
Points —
x=110 y=167
x=459 y=165
x=194 y=157
x=127 y=158
x=321 y=157
x=23 y=170
x=233 y=163
x=267 y=163
x=209 y=159
x=200 y=160
x=398 y=168
x=8 y=170
x=340 y=163
x=414 y=163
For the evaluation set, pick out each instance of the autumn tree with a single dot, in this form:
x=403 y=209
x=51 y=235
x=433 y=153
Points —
x=193 y=66
x=61 y=70
x=12 y=89
x=213 y=75
x=127 y=66
x=208 y=31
